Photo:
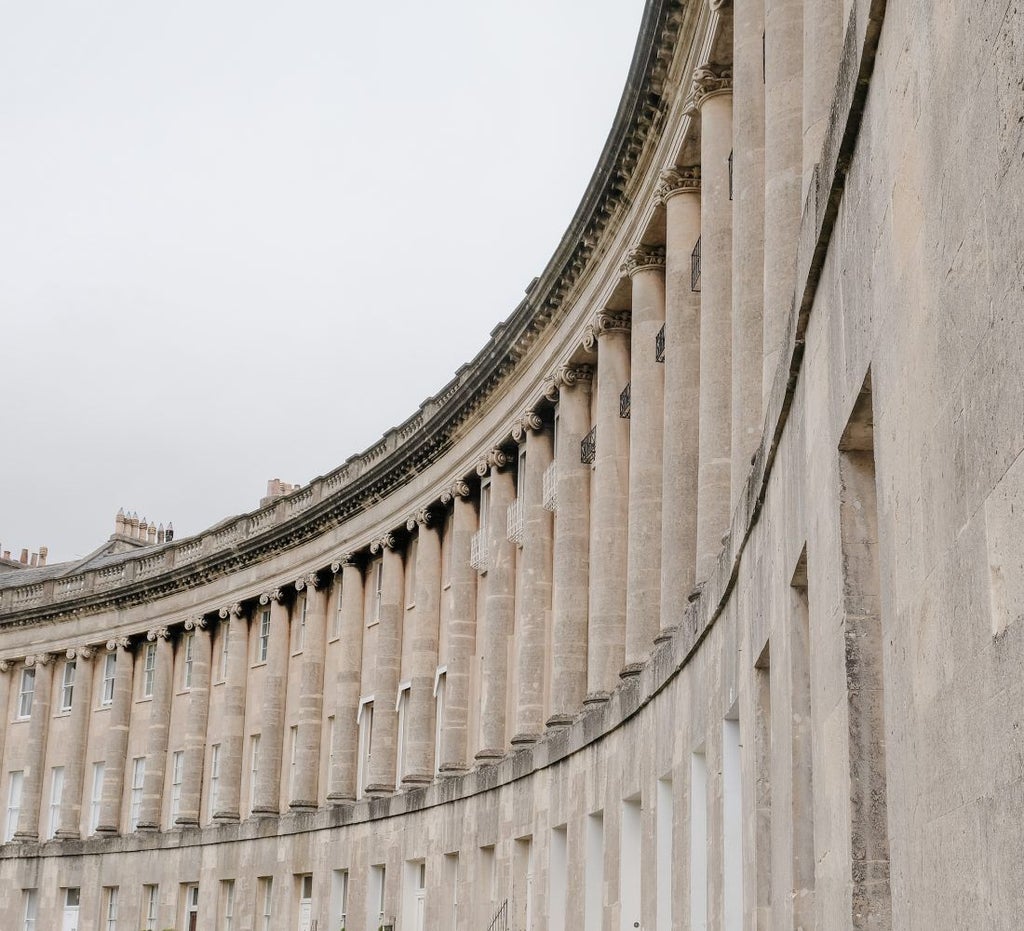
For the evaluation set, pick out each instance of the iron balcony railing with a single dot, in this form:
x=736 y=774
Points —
x=514 y=522
x=478 y=551
x=659 y=345
x=730 y=174
x=550 y=487
x=500 y=920
x=625 y=399
x=695 y=267
x=588 y=447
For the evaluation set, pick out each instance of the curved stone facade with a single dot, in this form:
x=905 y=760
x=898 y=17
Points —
x=691 y=602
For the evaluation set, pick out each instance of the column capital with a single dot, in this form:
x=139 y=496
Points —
x=118 y=643
x=83 y=652
x=603 y=323
x=528 y=422
x=195 y=622
x=230 y=611
x=495 y=459
x=565 y=376
x=385 y=542
x=274 y=595
x=720 y=4
x=39 y=659
x=672 y=181
x=5 y=665
x=342 y=562
x=642 y=258
x=708 y=81
x=161 y=633
x=458 y=489
x=422 y=518
x=310 y=580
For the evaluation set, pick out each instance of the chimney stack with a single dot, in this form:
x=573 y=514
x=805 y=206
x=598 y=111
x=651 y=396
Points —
x=24 y=557
x=43 y=553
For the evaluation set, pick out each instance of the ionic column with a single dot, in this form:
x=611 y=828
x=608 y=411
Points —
x=680 y=192
x=231 y=726
x=426 y=620
x=159 y=722
x=196 y=718
x=646 y=269
x=712 y=96
x=606 y=636
x=384 y=745
x=461 y=631
x=35 y=751
x=532 y=626
x=342 y=786
x=70 y=820
x=115 y=753
x=747 y=239
x=783 y=155
x=311 y=695
x=267 y=799
x=499 y=609
x=570 y=598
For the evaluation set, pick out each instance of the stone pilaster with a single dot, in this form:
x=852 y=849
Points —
x=151 y=810
x=534 y=621
x=267 y=799
x=35 y=751
x=384 y=742
x=78 y=740
x=712 y=96
x=461 y=631
x=231 y=726
x=426 y=619
x=783 y=155
x=305 y=791
x=680 y=192
x=606 y=638
x=646 y=269
x=196 y=719
x=342 y=779
x=115 y=752
x=499 y=609
x=5 y=698
x=570 y=597
x=747 y=239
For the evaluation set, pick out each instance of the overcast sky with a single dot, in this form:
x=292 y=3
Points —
x=240 y=240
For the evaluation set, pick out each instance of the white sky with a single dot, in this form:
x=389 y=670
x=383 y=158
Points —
x=241 y=239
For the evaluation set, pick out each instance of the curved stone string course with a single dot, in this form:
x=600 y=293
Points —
x=693 y=601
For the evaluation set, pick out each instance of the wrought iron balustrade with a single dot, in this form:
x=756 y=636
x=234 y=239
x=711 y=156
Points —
x=550 y=487
x=588 y=447
x=500 y=920
x=730 y=174
x=514 y=522
x=478 y=550
x=659 y=345
x=625 y=399
x=695 y=267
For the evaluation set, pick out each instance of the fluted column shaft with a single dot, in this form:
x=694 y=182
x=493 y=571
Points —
x=646 y=268
x=606 y=637
x=570 y=599
x=426 y=618
x=342 y=787
x=748 y=232
x=196 y=719
x=115 y=753
x=533 y=626
x=783 y=155
x=305 y=790
x=461 y=634
x=232 y=716
x=715 y=462
x=681 y=194
x=499 y=616
x=267 y=799
x=384 y=743
x=70 y=819
x=35 y=752
x=159 y=721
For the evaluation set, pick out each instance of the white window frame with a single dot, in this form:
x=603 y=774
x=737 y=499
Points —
x=330 y=745
x=96 y=799
x=378 y=591
x=263 y=640
x=191 y=901
x=31 y=908
x=188 y=660
x=135 y=798
x=364 y=721
x=214 y=779
x=56 y=797
x=228 y=898
x=177 y=776
x=293 y=734
x=300 y=633
x=109 y=674
x=254 y=767
x=67 y=686
x=336 y=621
x=15 y=787
x=151 y=906
x=225 y=640
x=266 y=893
x=148 y=669
x=110 y=894
x=440 y=689
x=401 y=709
x=26 y=693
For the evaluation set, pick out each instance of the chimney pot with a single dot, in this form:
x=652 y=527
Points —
x=24 y=557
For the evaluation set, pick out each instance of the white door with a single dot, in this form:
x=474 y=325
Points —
x=421 y=910
x=306 y=903
x=71 y=899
